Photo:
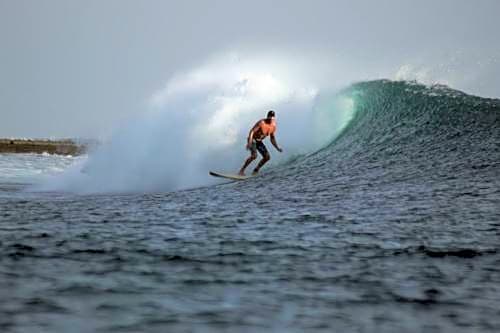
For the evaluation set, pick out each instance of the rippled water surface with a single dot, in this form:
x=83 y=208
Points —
x=392 y=228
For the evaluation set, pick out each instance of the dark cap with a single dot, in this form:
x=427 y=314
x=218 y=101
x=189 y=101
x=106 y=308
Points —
x=271 y=114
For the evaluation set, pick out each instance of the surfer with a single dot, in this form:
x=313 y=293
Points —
x=257 y=134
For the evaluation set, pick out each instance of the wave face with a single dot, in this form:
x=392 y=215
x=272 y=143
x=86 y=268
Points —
x=403 y=131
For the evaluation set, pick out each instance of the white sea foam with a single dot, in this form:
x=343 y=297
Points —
x=33 y=168
x=199 y=122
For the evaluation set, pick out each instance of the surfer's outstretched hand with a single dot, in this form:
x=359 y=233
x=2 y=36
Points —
x=279 y=149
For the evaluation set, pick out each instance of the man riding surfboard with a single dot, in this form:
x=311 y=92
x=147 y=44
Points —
x=263 y=128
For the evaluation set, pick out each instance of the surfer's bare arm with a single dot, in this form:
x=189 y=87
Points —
x=275 y=144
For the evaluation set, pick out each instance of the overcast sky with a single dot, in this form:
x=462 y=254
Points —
x=75 y=68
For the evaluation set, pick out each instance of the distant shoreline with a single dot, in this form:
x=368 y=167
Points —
x=40 y=146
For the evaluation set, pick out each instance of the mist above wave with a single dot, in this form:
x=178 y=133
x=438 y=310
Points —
x=200 y=120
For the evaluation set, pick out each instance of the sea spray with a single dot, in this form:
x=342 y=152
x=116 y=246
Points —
x=200 y=120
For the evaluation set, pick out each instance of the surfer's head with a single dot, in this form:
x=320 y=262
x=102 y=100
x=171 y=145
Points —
x=271 y=114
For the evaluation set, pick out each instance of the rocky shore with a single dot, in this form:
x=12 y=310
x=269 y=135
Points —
x=59 y=147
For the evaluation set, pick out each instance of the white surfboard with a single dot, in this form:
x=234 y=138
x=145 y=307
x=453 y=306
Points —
x=227 y=175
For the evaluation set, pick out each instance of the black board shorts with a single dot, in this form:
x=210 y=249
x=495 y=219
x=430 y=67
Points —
x=259 y=146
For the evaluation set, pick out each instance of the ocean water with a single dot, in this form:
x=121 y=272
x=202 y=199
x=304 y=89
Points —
x=393 y=226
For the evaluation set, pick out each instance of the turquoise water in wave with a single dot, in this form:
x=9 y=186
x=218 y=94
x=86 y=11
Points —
x=392 y=227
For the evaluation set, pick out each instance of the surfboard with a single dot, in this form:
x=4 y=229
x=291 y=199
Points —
x=227 y=175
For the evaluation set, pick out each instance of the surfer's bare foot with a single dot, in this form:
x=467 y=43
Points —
x=255 y=172
x=241 y=173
